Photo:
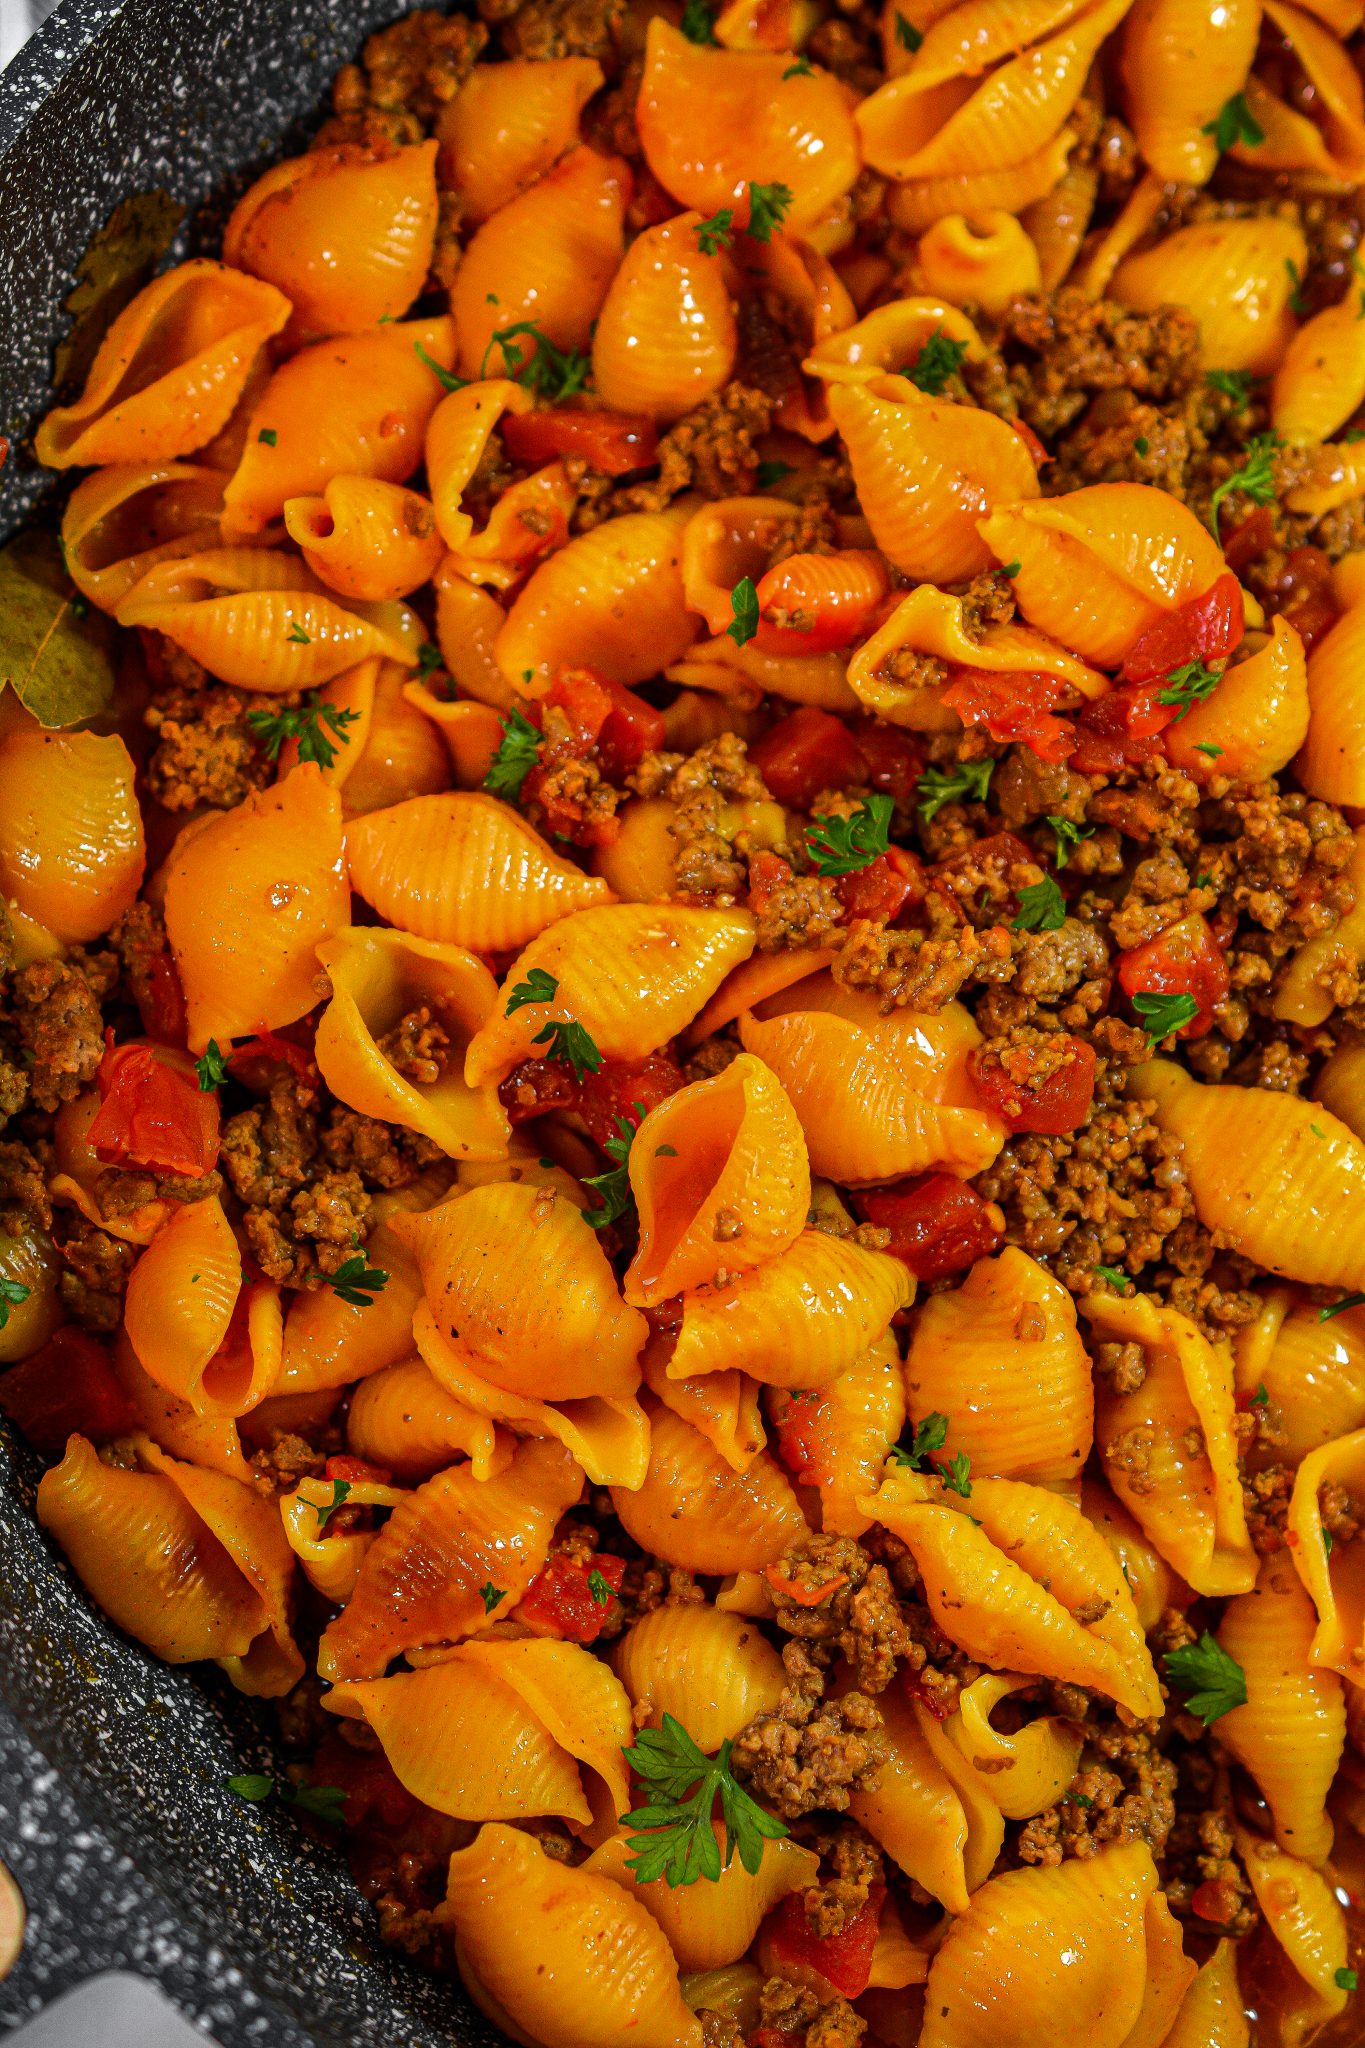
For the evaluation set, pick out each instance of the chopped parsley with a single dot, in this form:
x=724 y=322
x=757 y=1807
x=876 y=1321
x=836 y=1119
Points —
x=492 y=1596
x=1344 y=1979
x=845 y=846
x=677 y=1841
x=447 y=379
x=613 y=1187
x=1255 y=479
x=429 y=659
x=1112 y=1275
x=696 y=22
x=324 y=1802
x=325 y=1512
x=800 y=69
x=744 y=605
x=357 y=1283
x=1213 y=1682
x=767 y=208
x=1067 y=834
x=1234 y=385
x=538 y=987
x=1233 y=123
x=1297 y=302
x=268 y=436
x=938 y=786
x=305 y=723
x=516 y=756
x=1010 y=569
x=571 y=1046
x=937 y=361
x=1189 y=685
x=770 y=472
x=1333 y=1308
x=929 y=1435
x=552 y=373
x=12 y=1293
x=1142 y=444
x=1260 y=1399
x=1317 y=1130
x=600 y=1589
x=907 y=35
x=1327 y=1543
x=211 y=1068
x=714 y=234
x=1042 y=908
x=1207 y=747
x=954 y=1473
x=299 y=638
x=1164 y=1013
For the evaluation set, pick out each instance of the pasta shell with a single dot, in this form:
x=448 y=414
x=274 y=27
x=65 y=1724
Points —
x=1302 y=1913
x=1233 y=275
x=529 y=520
x=1336 y=473
x=711 y=1671
x=594 y=1962
x=1313 y=1372
x=357 y=406
x=330 y=1558
x=1150 y=1580
x=329 y=1342
x=971 y=37
x=693 y=1511
x=1002 y=1358
x=1322 y=972
x=727 y=540
x=1321 y=380
x=168 y=372
x=1292 y=1729
x=422 y=1576
x=509 y=123
x=464 y=869
x=928 y=1809
x=516 y=1276
x=741 y=1157
x=838 y=1437
x=1076 y=1940
x=471 y=733
x=744 y=673
x=381 y=982
x=710 y=1925
x=72 y=850
x=1329 y=765
x=1340 y=1086
x=1257 y=718
x=927 y=471
x=1188 y=1501
x=710 y=121
x=580 y=1702
x=402 y=1420
x=1211 y=2014
x=917 y=204
x=929 y=622
x=548 y=256
x=666 y=337
x=1260 y=1173
x=801 y=1319
x=29 y=1259
x=1332 y=1577
x=889 y=337
x=753 y=982
x=250 y=896
x=612 y=601
x=1329 y=147
x=1057 y=223
x=1181 y=64
x=122 y=521
x=394 y=754
x=984 y=262
x=346 y=233
x=632 y=974
x=365 y=538
x=211 y=1439
x=1029 y=1770
x=457 y=436
x=180 y=1302
x=1001 y=1582
x=722 y=1405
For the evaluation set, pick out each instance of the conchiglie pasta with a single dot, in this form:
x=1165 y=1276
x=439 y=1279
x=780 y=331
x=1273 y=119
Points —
x=1056 y=224
x=632 y=974
x=1326 y=147
x=250 y=895
x=1002 y=1358
x=919 y=202
x=1302 y=1913
x=1024 y=1772
x=1321 y=380
x=365 y=538
x=711 y=1671
x=1181 y=63
x=1313 y=1372
x=180 y=1303
x=1211 y=2014
x=1333 y=1576
x=168 y=372
x=72 y=850
x=122 y=521
x=929 y=1809
x=1331 y=763
x=330 y=1558
x=709 y=1925
x=464 y=869
x=724 y=1406
x=694 y=1511
x=666 y=336
x=402 y=1420
x=985 y=261
x=29 y=1260
x=1321 y=972
x=581 y=1703
x=1150 y=1580
x=1340 y=1086
x=1233 y=275
x=836 y=1438
x=591 y=1961
x=930 y=622
x=346 y=233
x=422 y=1576
x=548 y=256
x=1290 y=1733
x=508 y=123
x=457 y=436
x=1256 y=718
x=392 y=752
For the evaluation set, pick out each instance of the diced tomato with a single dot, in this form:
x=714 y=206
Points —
x=1031 y=441
x=815 y=604
x=612 y=442
x=585 y=702
x=1213 y=1902
x=619 y=1085
x=938 y=1224
x=843 y=1960
x=269 y=1048
x=773 y=2037
x=1249 y=541
x=156 y=987
x=356 y=1471
x=768 y=873
x=535 y=1087
x=1205 y=629
x=1120 y=729
x=1185 y=959
x=895 y=760
x=883 y=888
x=559 y=1600
x=800 y=1436
x=1059 y=1102
x=1013 y=707
x=630 y=730
x=806 y=752
x=1305 y=594
x=153 y=1113
x=67 y=1386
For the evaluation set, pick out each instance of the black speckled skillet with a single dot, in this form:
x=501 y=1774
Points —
x=112 y=1815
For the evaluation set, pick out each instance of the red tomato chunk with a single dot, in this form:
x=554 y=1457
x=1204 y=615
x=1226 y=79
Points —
x=938 y=1224
x=153 y=1113
x=1185 y=959
x=843 y=1960
x=1048 y=1090
x=560 y=1600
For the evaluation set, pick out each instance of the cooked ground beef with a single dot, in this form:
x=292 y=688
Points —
x=405 y=76
x=56 y=1007
x=851 y=1863
x=95 y=1270
x=205 y=752
x=810 y=1752
x=859 y=1618
x=1123 y=1791
x=793 y=2010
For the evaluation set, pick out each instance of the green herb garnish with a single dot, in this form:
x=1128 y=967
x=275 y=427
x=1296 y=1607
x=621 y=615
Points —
x=516 y=756
x=1233 y=123
x=677 y=1841
x=538 y=987
x=744 y=605
x=1213 y=1682
x=211 y=1068
x=357 y=1283
x=1164 y=1013
x=937 y=361
x=305 y=723
x=571 y=1046
x=1042 y=908
x=938 y=786
x=845 y=846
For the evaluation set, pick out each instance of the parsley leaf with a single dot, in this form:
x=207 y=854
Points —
x=800 y=69
x=930 y=1435
x=1189 y=685
x=324 y=1802
x=696 y=22
x=447 y=379
x=304 y=724
x=571 y=1046
x=613 y=1187
x=538 y=987
x=1207 y=747
x=1344 y=1979
x=356 y=1282
x=844 y=846
x=12 y=1293
x=1297 y=302
x=767 y=207
x=552 y=373
x=492 y=1596
x=1255 y=479
x=1260 y=1399
x=1112 y=1275
x=1333 y=1308
x=938 y=786
x=600 y=1589
x=299 y=638
x=1234 y=384
x=907 y=35
x=744 y=604
x=937 y=361
x=679 y=1843
x=1164 y=1013
x=770 y=472
x=1234 y=123
x=1042 y=908
x=1213 y=1682
x=715 y=233
x=1067 y=835
x=211 y=1068
x=954 y=1472
x=429 y=659
x=516 y=756
x=340 y=1489
x=268 y=437
x=253 y=1786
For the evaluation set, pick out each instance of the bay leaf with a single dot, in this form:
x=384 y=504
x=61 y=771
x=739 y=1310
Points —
x=55 y=653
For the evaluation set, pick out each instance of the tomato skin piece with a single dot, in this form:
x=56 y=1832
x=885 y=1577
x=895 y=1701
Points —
x=67 y=1385
x=768 y=873
x=806 y=752
x=1060 y=1103
x=1030 y=440
x=534 y=1088
x=1186 y=959
x=1012 y=707
x=939 y=1224
x=799 y=1440
x=356 y=1471
x=1121 y=729
x=153 y=1113
x=884 y=888
x=843 y=1960
x=559 y=1602
x=619 y=1085
x=895 y=760
x=1206 y=628
x=605 y=715
x=1249 y=541
x=612 y=442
